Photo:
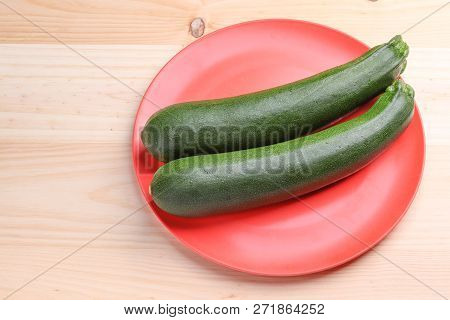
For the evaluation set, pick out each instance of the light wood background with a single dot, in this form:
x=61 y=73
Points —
x=72 y=221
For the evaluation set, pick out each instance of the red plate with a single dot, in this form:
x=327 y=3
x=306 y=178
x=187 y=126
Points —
x=324 y=229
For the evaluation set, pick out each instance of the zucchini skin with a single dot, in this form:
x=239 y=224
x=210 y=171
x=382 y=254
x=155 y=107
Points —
x=208 y=184
x=273 y=115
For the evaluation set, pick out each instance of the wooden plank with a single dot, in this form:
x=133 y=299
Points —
x=56 y=95
x=167 y=22
x=138 y=258
x=55 y=197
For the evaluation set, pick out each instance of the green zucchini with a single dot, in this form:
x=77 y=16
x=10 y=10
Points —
x=206 y=184
x=274 y=115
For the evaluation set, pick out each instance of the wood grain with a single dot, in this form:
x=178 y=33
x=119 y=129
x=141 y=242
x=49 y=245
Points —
x=65 y=159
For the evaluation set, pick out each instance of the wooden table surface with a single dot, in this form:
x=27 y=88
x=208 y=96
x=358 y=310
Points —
x=73 y=224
